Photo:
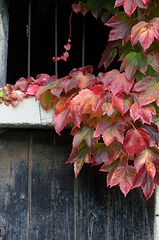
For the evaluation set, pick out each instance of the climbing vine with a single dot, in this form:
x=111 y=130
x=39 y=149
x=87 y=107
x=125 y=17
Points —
x=113 y=114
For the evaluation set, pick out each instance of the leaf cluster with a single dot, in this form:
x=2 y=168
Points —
x=113 y=114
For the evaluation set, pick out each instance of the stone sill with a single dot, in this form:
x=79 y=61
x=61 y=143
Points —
x=27 y=114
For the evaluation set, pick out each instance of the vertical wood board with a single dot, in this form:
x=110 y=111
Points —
x=41 y=200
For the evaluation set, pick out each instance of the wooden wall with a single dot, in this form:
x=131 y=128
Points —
x=41 y=200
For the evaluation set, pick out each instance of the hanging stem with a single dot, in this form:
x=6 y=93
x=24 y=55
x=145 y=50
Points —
x=83 y=44
x=56 y=64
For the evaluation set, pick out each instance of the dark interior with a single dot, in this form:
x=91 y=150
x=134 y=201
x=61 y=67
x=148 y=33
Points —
x=43 y=39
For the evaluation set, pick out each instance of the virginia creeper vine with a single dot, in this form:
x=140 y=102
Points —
x=113 y=114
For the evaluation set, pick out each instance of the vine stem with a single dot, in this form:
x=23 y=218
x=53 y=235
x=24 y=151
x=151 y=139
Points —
x=133 y=125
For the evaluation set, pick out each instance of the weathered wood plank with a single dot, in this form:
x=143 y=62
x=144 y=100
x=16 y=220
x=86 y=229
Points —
x=40 y=199
x=52 y=188
x=130 y=218
x=91 y=205
x=13 y=184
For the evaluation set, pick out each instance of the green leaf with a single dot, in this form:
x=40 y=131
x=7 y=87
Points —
x=156 y=107
x=45 y=99
x=132 y=62
x=1 y=92
x=109 y=54
x=107 y=4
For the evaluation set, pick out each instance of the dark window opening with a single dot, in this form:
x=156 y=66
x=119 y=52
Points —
x=43 y=39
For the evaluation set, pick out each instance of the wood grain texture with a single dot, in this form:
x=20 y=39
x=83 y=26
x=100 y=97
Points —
x=41 y=200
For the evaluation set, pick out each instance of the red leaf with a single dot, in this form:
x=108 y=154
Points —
x=71 y=83
x=88 y=99
x=131 y=5
x=124 y=176
x=145 y=33
x=42 y=78
x=57 y=87
x=154 y=134
x=154 y=49
x=156 y=178
x=21 y=84
x=117 y=82
x=108 y=108
x=102 y=153
x=41 y=90
x=123 y=102
x=149 y=88
x=110 y=131
x=145 y=112
x=144 y=180
x=111 y=168
x=80 y=7
x=83 y=80
x=76 y=118
x=121 y=25
x=80 y=134
x=135 y=140
x=61 y=120
x=149 y=157
x=32 y=89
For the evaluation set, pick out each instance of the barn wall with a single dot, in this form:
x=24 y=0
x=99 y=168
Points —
x=40 y=198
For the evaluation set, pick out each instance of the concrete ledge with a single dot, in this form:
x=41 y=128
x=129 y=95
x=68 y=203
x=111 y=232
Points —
x=28 y=113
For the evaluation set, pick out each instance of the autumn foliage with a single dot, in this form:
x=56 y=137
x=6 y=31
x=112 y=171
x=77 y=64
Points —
x=112 y=115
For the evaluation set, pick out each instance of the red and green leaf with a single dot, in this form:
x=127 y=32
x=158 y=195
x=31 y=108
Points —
x=149 y=88
x=46 y=99
x=88 y=99
x=82 y=133
x=144 y=112
x=135 y=140
x=154 y=134
x=109 y=54
x=79 y=157
x=154 y=49
x=102 y=154
x=61 y=119
x=145 y=33
x=80 y=7
x=110 y=168
x=144 y=180
x=121 y=24
x=123 y=102
x=148 y=157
